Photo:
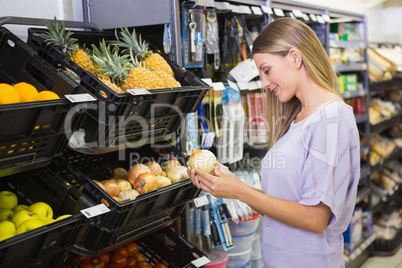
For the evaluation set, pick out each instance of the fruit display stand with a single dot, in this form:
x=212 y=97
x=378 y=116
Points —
x=127 y=219
x=49 y=245
x=32 y=132
x=139 y=116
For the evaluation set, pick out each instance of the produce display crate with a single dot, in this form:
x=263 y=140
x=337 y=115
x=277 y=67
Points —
x=127 y=219
x=144 y=117
x=383 y=247
x=32 y=133
x=165 y=246
x=46 y=246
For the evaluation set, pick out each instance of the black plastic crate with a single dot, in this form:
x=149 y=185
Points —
x=383 y=247
x=32 y=132
x=163 y=246
x=129 y=218
x=150 y=117
x=46 y=246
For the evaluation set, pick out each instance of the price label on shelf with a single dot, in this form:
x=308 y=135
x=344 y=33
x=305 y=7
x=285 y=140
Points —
x=222 y=5
x=320 y=19
x=297 y=13
x=306 y=17
x=201 y=201
x=95 y=211
x=266 y=9
x=138 y=91
x=279 y=12
x=205 y=3
x=200 y=261
x=256 y=10
x=245 y=9
x=313 y=17
x=326 y=18
x=208 y=81
x=74 y=98
x=218 y=86
x=243 y=85
x=233 y=85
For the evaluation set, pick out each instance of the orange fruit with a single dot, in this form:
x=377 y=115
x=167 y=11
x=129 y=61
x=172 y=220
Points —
x=48 y=95
x=27 y=92
x=8 y=94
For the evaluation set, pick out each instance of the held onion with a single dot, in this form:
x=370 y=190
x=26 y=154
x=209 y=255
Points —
x=204 y=160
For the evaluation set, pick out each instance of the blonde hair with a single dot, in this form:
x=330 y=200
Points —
x=278 y=37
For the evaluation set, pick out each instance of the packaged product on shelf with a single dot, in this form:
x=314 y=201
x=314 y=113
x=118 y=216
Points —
x=353 y=235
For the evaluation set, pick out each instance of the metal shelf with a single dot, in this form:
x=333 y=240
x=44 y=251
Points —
x=345 y=44
x=360 y=254
x=354 y=94
x=395 y=119
x=350 y=67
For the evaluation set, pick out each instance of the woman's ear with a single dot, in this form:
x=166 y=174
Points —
x=296 y=57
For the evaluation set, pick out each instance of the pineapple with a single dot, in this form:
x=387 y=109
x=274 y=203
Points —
x=58 y=36
x=140 y=48
x=126 y=74
x=167 y=79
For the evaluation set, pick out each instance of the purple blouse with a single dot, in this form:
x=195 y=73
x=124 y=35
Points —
x=317 y=160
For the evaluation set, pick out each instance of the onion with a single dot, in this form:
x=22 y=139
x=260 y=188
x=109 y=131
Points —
x=163 y=181
x=100 y=185
x=155 y=168
x=204 y=160
x=111 y=187
x=177 y=173
x=169 y=164
x=123 y=184
x=128 y=194
x=120 y=173
x=145 y=182
x=136 y=170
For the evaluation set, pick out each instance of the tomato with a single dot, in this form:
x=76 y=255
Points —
x=132 y=248
x=87 y=265
x=161 y=265
x=121 y=250
x=105 y=257
x=119 y=259
x=143 y=264
x=140 y=257
x=81 y=258
x=98 y=262
x=131 y=261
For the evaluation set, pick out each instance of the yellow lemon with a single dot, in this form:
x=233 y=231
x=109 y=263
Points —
x=8 y=94
x=48 y=95
x=27 y=92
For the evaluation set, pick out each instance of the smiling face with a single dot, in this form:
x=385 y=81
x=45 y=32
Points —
x=278 y=74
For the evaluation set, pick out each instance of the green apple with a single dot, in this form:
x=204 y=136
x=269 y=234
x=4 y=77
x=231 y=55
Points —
x=8 y=199
x=6 y=214
x=4 y=237
x=22 y=216
x=7 y=228
x=47 y=221
x=42 y=210
x=29 y=225
x=63 y=217
x=20 y=207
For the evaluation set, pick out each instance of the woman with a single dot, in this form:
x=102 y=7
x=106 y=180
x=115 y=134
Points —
x=311 y=171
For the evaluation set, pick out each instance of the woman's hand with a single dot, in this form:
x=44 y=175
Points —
x=222 y=184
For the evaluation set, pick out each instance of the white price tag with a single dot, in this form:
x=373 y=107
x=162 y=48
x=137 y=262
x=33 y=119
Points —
x=266 y=9
x=256 y=10
x=313 y=17
x=279 y=12
x=201 y=201
x=245 y=9
x=208 y=81
x=233 y=85
x=306 y=17
x=252 y=85
x=320 y=19
x=205 y=3
x=218 y=86
x=95 y=210
x=297 y=13
x=258 y=83
x=138 y=91
x=326 y=18
x=243 y=85
x=74 y=98
x=200 y=261
x=244 y=71
x=222 y=5
x=235 y=9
